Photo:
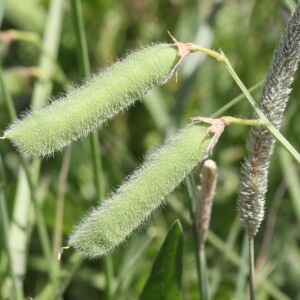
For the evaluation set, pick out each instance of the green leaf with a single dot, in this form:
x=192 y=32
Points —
x=165 y=278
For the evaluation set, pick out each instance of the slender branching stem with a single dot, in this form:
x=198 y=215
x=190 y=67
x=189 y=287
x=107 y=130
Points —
x=271 y=128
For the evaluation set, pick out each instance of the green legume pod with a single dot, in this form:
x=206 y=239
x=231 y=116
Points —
x=112 y=222
x=86 y=108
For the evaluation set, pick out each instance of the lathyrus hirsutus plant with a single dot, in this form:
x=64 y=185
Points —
x=84 y=109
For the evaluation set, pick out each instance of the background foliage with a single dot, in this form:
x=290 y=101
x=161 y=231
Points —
x=248 y=32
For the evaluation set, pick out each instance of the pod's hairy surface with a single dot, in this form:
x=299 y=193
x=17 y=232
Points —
x=86 y=108
x=111 y=223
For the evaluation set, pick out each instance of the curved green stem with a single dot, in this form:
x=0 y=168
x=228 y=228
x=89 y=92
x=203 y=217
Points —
x=41 y=226
x=277 y=135
x=4 y=221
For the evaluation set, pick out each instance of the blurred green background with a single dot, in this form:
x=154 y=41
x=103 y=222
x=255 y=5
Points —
x=248 y=32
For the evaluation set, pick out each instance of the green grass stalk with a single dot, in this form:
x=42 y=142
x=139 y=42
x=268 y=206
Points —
x=191 y=189
x=59 y=211
x=203 y=272
x=41 y=226
x=42 y=88
x=94 y=141
x=16 y=288
x=252 y=268
x=242 y=276
x=271 y=128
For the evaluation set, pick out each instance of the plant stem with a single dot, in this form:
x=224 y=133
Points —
x=198 y=256
x=41 y=92
x=203 y=273
x=42 y=89
x=7 y=99
x=78 y=24
x=249 y=122
x=41 y=226
x=95 y=145
x=277 y=135
x=59 y=213
x=234 y=101
x=73 y=266
x=17 y=289
x=227 y=120
x=251 y=268
x=97 y=165
x=234 y=258
x=290 y=4
x=243 y=270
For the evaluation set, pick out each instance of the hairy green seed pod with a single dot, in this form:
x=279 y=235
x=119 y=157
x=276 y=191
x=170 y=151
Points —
x=111 y=223
x=86 y=108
